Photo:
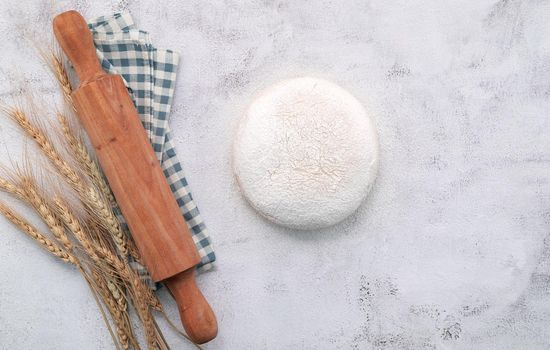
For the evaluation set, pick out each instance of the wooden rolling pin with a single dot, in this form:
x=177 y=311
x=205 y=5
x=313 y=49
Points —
x=109 y=116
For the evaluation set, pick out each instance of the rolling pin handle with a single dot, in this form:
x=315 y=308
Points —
x=72 y=33
x=197 y=316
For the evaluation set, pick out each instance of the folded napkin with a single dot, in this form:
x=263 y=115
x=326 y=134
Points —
x=150 y=75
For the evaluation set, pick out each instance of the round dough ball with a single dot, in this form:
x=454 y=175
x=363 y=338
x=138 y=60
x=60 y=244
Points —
x=306 y=153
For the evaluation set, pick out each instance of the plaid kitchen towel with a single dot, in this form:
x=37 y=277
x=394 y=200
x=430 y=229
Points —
x=150 y=75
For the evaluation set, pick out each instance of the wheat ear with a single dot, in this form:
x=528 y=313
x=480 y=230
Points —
x=102 y=255
x=32 y=232
x=123 y=328
x=9 y=187
x=143 y=311
x=42 y=207
x=55 y=62
x=104 y=211
x=84 y=158
x=88 y=194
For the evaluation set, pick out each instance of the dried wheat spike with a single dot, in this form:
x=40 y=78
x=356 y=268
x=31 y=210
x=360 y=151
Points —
x=118 y=316
x=108 y=220
x=32 y=232
x=88 y=194
x=117 y=294
x=42 y=207
x=45 y=146
x=56 y=64
x=9 y=187
x=73 y=225
x=84 y=158
x=143 y=311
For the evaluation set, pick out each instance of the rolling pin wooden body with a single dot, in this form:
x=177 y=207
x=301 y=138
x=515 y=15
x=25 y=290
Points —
x=111 y=121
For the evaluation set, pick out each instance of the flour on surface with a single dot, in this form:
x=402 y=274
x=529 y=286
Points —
x=306 y=153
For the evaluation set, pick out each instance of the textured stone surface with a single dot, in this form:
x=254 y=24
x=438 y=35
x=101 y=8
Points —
x=450 y=251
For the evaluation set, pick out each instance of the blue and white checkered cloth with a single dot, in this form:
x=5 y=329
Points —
x=150 y=75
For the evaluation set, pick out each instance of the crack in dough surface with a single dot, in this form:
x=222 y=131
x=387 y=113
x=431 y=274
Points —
x=306 y=153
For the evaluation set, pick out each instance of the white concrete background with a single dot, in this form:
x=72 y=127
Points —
x=451 y=249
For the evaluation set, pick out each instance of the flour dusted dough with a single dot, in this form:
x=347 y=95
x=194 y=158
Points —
x=306 y=153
